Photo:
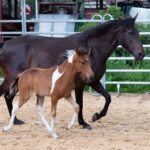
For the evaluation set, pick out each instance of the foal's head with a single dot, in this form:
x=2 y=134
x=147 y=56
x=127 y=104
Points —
x=82 y=63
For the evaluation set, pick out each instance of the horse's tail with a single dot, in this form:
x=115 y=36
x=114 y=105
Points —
x=13 y=88
x=3 y=86
x=1 y=44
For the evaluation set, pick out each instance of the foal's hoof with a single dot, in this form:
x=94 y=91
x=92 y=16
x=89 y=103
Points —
x=87 y=126
x=55 y=136
x=6 y=128
x=18 y=122
x=95 y=117
x=69 y=127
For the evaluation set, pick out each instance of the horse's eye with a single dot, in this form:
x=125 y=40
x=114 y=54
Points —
x=130 y=32
x=83 y=63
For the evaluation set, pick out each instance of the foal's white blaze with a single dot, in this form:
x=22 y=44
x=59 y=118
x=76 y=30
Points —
x=70 y=54
x=56 y=75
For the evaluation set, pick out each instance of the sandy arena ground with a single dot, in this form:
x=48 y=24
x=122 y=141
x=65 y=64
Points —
x=126 y=126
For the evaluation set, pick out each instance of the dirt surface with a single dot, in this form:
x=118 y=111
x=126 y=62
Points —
x=126 y=126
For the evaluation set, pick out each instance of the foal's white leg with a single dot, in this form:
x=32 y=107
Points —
x=53 y=120
x=54 y=102
x=13 y=114
x=45 y=122
x=76 y=110
x=73 y=120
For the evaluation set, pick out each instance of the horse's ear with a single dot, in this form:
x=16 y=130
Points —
x=89 y=52
x=134 y=18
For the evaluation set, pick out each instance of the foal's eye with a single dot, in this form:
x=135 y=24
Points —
x=82 y=63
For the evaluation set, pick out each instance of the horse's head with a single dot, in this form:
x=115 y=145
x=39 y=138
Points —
x=82 y=63
x=129 y=38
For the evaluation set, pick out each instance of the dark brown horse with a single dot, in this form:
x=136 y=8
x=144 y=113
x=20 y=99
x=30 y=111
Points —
x=25 y=52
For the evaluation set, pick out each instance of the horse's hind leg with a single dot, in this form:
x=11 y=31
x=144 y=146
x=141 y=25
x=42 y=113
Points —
x=16 y=106
x=40 y=101
x=97 y=86
x=5 y=88
x=13 y=114
x=9 y=101
x=76 y=110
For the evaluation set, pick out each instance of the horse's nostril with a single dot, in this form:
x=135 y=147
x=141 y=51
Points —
x=92 y=77
x=141 y=55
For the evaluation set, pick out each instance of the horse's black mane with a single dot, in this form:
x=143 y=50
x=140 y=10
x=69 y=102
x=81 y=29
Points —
x=101 y=28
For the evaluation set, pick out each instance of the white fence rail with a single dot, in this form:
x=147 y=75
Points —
x=118 y=83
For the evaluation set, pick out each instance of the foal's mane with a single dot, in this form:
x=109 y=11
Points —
x=65 y=56
x=69 y=53
x=102 y=28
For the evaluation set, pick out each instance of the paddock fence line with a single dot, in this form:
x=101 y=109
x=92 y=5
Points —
x=24 y=31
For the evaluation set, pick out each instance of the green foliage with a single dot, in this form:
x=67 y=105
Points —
x=143 y=27
x=114 y=11
x=144 y=38
x=126 y=76
x=86 y=26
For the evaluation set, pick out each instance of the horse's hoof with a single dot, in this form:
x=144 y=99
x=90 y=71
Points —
x=95 y=117
x=69 y=127
x=87 y=126
x=54 y=136
x=6 y=128
x=18 y=122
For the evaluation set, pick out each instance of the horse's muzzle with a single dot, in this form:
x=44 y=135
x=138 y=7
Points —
x=140 y=56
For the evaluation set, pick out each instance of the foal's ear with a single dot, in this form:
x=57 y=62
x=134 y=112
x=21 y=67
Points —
x=83 y=51
x=78 y=51
x=89 y=51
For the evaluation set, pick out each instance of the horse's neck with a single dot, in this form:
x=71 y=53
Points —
x=107 y=44
x=102 y=48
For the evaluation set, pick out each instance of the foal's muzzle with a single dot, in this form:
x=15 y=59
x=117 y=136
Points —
x=90 y=79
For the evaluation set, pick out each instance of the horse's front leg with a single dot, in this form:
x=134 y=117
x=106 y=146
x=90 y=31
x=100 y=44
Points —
x=97 y=86
x=79 y=99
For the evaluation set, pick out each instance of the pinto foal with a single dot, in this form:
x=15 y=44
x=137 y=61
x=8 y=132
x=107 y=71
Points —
x=55 y=82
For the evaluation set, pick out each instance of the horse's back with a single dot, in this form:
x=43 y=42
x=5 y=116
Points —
x=21 y=41
x=33 y=51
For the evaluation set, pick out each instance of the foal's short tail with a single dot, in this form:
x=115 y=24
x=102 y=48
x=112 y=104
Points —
x=13 y=88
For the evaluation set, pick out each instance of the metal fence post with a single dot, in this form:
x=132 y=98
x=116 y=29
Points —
x=23 y=16
x=36 y=9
